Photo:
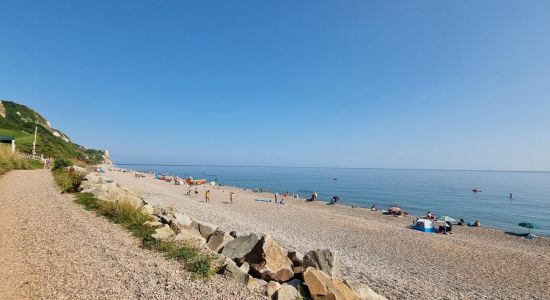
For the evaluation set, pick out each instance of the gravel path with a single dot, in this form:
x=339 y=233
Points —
x=397 y=262
x=51 y=248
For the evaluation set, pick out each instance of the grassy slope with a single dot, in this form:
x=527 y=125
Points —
x=21 y=127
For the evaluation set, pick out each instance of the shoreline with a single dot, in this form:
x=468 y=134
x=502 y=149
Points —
x=344 y=202
x=377 y=249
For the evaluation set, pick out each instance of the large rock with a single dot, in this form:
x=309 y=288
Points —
x=238 y=248
x=364 y=292
x=326 y=260
x=270 y=260
x=321 y=286
x=205 y=228
x=166 y=219
x=231 y=270
x=163 y=233
x=297 y=258
x=287 y=292
x=147 y=209
x=152 y=223
x=218 y=240
x=272 y=288
x=190 y=237
x=180 y=221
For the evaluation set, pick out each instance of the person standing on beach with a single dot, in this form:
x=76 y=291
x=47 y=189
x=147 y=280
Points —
x=196 y=191
x=231 y=197
x=275 y=195
x=207 y=196
x=189 y=191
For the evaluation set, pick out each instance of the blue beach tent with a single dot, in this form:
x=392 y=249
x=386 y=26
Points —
x=424 y=225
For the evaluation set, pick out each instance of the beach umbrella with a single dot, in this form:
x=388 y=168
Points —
x=446 y=219
x=529 y=225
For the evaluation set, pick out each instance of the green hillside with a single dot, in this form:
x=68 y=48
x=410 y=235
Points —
x=19 y=121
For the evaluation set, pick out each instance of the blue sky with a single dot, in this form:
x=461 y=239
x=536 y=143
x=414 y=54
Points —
x=398 y=84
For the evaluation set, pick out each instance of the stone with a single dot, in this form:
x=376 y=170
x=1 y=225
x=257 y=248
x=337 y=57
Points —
x=321 y=286
x=270 y=260
x=97 y=192
x=239 y=247
x=245 y=267
x=205 y=228
x=232 y=271
x=286 y=292
x=297 y=258
x=364 y=292
x=163 y=233
x=180 y=221
x=326 y=260
x=147 y=209
x=157 y=211
x=152 y=223
x=298 y=270
x=166 y=219
x=218 y=240
x=255 y=282
x=271 y=288
x=190 y=237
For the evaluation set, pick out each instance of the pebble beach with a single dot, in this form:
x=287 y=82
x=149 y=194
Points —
x=379 y=250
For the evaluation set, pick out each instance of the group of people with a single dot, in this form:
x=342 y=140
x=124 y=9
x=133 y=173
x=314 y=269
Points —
x=47 y=161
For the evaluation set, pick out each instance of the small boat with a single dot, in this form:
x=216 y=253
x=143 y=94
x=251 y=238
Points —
x=476 y=190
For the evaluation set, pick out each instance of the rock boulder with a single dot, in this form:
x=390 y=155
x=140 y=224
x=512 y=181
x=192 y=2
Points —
x=238 y=248
x=218 y=240
x=270 y=261
x=163 y=233
x=321 y=286
x=326 y=260
x=287 y=292
x=364 y=292
x=190 y=237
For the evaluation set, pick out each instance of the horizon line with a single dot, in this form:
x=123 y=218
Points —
x=323 y=167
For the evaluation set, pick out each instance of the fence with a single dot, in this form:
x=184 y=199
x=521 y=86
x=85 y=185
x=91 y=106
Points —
x=30 y=156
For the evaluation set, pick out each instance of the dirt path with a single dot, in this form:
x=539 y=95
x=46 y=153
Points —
x=51 y=248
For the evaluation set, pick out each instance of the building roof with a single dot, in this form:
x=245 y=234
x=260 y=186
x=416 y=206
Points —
x=5 y=139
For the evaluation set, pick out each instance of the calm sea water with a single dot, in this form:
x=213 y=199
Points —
x=417 y=191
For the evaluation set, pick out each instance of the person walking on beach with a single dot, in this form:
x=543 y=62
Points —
x=275 y=197
x=231 y=197
x=189 y=191
x=196 y=191
x=207 y=196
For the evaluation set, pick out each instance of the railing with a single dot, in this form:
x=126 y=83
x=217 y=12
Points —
x=30 y=156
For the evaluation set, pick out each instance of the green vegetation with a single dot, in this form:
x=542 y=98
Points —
x=68 y=180
x=133 y=219
x=61 y=163
x=19 y=121
x=10 y=161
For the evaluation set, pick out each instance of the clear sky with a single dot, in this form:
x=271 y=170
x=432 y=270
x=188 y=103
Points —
x=399 y=84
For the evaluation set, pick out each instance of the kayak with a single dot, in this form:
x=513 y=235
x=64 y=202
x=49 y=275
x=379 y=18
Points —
x=195 y=182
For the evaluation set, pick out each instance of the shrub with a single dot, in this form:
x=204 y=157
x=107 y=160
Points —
x=10 y=161
x=61 y=163
x=68 y=180
x=201 y=266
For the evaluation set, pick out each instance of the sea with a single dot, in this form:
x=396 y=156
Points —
x=443 y=192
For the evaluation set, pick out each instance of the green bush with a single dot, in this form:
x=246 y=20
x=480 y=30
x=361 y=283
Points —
x=68 y=180
x=10 y=161
x=61 y=163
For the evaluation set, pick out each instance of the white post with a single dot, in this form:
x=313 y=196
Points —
x=12 y=146
x=34 y=143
